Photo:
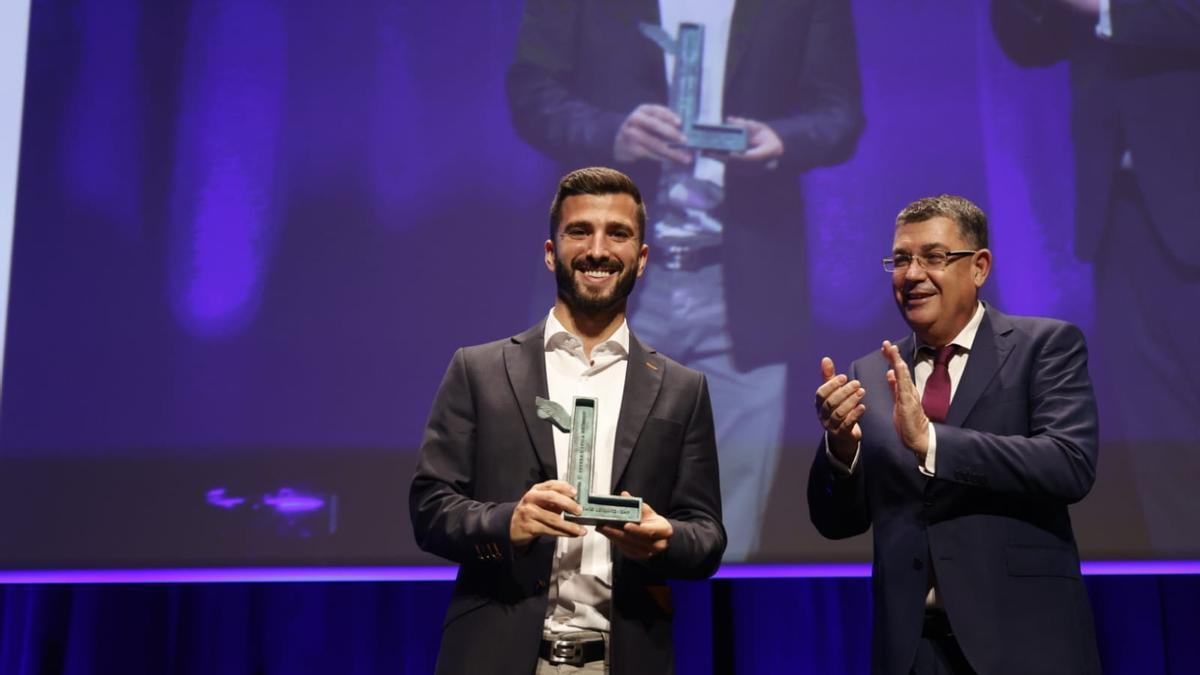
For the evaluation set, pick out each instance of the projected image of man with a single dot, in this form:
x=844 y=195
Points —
x=962 y=445
x=1135 y=92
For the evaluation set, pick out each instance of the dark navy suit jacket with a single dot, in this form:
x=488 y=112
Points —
x=1019 y=445
x=484 y=447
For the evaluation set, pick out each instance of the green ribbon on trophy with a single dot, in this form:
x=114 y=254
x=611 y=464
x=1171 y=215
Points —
x=597 y=509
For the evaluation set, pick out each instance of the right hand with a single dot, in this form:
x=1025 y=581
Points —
x=839 y=407
x=651 y=132
x=540 y=513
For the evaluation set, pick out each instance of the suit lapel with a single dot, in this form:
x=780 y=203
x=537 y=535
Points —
x=745 y=13
x=643 y=379
x=908 y=351
x=988 y=353
x=525 y=362
x=629 y=14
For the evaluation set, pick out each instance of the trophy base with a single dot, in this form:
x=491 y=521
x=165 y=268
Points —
x=606 y=510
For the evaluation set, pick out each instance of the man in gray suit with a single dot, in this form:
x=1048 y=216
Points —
x=535 y=592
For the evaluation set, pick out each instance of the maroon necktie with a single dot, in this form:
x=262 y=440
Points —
x=936 y=400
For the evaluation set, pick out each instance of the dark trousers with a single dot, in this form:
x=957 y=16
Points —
x=938 y=652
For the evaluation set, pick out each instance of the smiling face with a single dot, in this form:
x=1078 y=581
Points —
x=598 y=253
x=937 y=304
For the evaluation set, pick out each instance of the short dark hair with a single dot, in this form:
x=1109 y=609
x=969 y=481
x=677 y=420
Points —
x=971 y=220
x=596 y=180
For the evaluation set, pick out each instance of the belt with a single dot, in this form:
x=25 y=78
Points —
x=571 y=652
x=685 y=258
x=936 y=626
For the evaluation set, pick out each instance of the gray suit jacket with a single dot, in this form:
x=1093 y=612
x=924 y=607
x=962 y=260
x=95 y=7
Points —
x=484 y=447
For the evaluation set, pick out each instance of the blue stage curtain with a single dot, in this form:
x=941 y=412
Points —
x=1146 y=625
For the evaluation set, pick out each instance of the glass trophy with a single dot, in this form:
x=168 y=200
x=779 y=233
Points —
x=597 y=509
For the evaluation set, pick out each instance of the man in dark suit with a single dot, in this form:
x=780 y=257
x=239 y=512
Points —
x=1135 y=88
x=964 y=468
x=588 y=87
x=535 y=590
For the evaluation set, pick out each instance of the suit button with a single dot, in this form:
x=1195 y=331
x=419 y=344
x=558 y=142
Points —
x=918 y=564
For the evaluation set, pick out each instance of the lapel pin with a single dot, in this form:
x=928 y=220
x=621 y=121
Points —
x=651 y=366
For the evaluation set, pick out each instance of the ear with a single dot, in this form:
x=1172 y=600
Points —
x=981 y=266
x=643 y=256
x=549 y=246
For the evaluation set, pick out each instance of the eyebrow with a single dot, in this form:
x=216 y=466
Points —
x=927 y=248
x=609 y=225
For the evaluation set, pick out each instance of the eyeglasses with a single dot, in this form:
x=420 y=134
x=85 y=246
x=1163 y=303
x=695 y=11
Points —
x=933 y=261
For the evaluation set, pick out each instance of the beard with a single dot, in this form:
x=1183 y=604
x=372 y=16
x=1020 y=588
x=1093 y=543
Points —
x=588 y=301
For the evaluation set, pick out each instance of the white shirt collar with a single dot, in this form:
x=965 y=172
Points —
x=555 y=334
x=966 y=337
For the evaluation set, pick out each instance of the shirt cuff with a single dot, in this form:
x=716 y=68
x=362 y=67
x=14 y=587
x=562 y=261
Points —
x=837 y=463
x=929 y=466
x=1104 y=23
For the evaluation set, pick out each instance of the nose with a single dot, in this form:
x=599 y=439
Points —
x=915 y=271
x=597 y=246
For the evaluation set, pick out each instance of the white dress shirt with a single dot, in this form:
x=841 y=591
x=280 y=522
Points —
x=922 y=369
x=581 y=574
x=1104 y=29
x=716 y=16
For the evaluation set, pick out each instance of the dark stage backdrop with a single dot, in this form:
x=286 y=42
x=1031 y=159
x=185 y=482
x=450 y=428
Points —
x=249 y=235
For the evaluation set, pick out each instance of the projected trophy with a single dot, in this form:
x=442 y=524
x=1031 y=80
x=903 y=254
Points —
x=597 y=509
x=684 y=95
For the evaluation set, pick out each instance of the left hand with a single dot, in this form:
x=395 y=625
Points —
x=640 y=541
x=907 y=414
x=764 y=145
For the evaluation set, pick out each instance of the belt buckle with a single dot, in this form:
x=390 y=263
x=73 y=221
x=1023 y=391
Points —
x=566 y=652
